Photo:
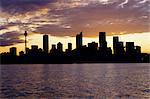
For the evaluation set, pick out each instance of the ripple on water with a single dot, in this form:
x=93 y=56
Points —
x=90 y=81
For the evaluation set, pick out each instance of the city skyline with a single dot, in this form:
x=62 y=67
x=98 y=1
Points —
x=61 y=18
x=66 y=49
x=64 y=40
x=92 y=53
x=102 y=43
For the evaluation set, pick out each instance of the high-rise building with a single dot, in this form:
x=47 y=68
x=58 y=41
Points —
x=93 y=45
x=13 y=51
x=102 y=40
x=119 y=48
x=115 y=41
x=53 y=47
x=79 y=40
x=138 y=49
x=69 y=46
x=130 y=48
x=60 y=47
x=45 y=43
x=34 y=47
x=27 y=50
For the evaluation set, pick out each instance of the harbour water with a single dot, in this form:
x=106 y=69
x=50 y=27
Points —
x=75 y=81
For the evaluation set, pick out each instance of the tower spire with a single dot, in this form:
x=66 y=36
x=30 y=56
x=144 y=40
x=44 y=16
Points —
x=25 y=34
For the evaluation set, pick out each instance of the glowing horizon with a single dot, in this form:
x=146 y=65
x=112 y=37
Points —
x=36 y=39
x=62 y=20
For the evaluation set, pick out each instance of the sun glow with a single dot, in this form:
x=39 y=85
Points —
x=36 y=39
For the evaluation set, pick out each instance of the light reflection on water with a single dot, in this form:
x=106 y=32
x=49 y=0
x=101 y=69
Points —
x=84 y=81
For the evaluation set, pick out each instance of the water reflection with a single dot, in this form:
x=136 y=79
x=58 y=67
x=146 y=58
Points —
x=75 y=81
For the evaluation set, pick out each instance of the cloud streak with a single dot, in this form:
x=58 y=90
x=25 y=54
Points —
x=10 y=38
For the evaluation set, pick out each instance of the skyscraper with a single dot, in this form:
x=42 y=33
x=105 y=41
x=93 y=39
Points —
x=119 y=49
x=115 y=41
x=60 y=47
x=34 y=47
x=69 y=46
x=130 y=48
x=13 y=51
x=53 y=49
x=79 y=40
x=102 y=40
x=45 y=43
x=138 y=49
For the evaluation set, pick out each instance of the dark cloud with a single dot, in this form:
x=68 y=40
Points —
x=100 y=17
x=66 y=18
x=3 y=27
x=23 y=6
x=10 y=38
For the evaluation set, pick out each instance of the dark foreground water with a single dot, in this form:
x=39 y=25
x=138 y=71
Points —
x=75 y=81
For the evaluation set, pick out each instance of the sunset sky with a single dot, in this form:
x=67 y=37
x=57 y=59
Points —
x=63 y=19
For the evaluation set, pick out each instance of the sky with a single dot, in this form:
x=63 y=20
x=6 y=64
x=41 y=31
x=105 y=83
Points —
x=63 y=19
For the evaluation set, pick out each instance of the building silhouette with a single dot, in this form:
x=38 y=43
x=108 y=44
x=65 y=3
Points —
x=21 y=53
x=27 y=50
x=45 y=43
x=60 y=47
x=81 y=54
x=25 y=34
x=138 y=49
x=53 y=49
x=13 y=51
x=130 y=48
x=115 y=41
x=119 y=48
x=79 y=40
x=104 y=51
x=34 y=47
x=93 y=46
x=102 y=40
x=69 y=47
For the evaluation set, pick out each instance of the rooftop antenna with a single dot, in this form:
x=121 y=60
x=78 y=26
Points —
x=25 y=34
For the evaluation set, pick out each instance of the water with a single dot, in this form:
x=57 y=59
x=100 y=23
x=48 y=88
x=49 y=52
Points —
x=75 y=81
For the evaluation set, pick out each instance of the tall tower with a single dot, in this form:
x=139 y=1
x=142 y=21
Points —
x=45 y=43
x=60 y=47
x=102 y=40
x=25 y=34
x=79 y=40
x=13 y=51
x=115 y=41
x=130 y=47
